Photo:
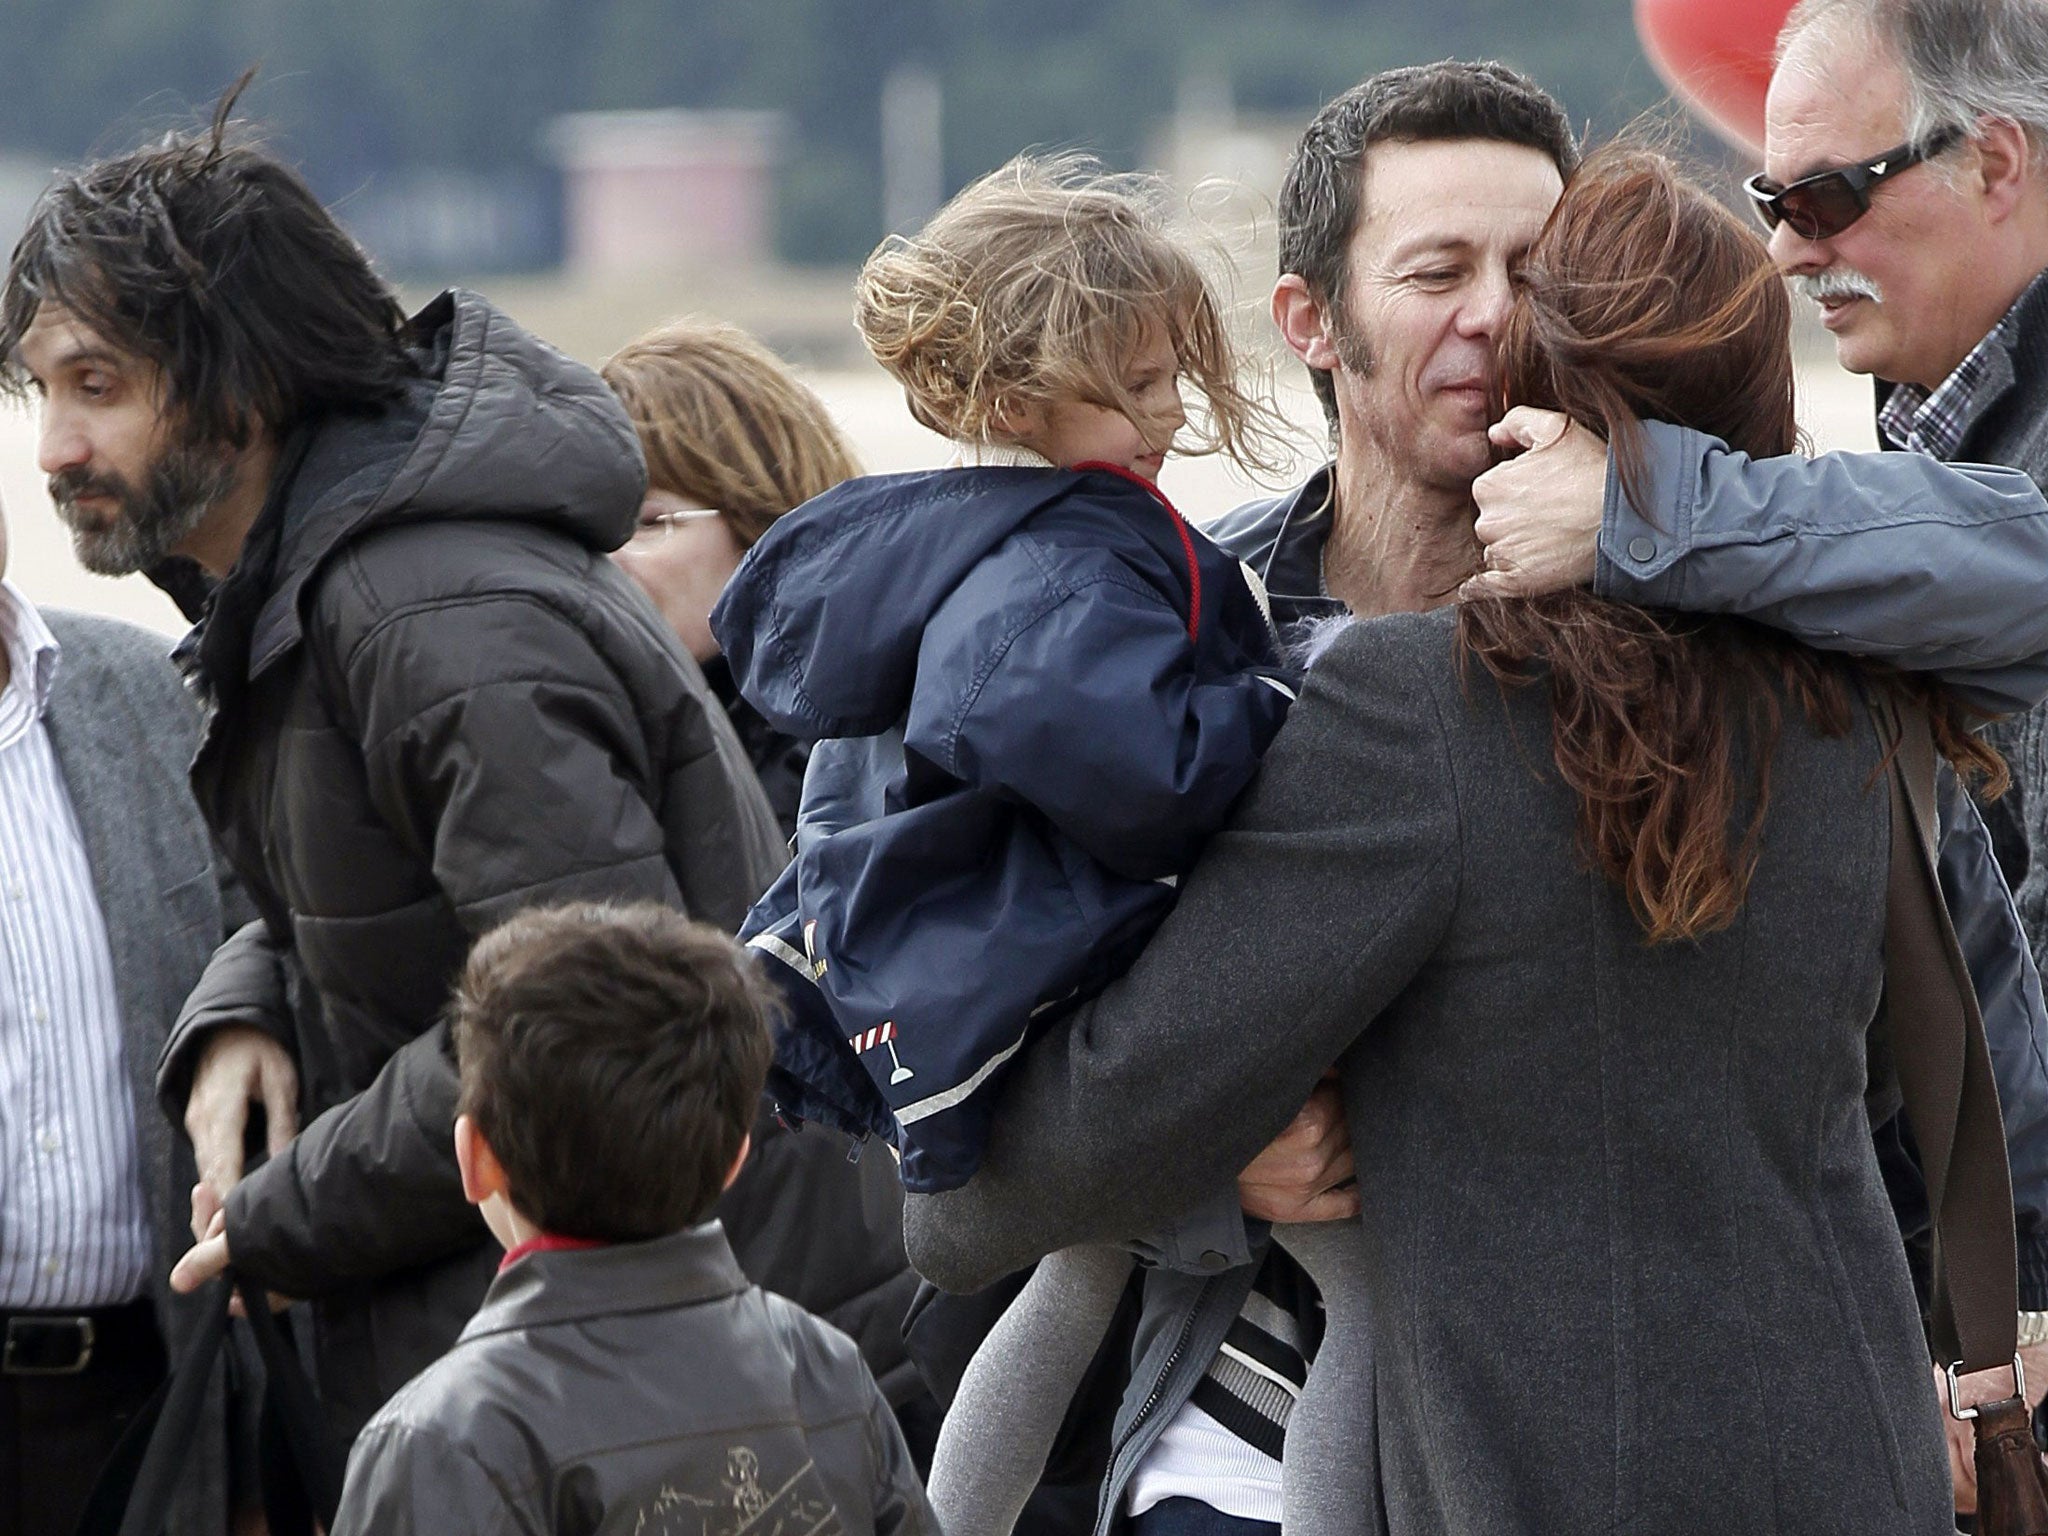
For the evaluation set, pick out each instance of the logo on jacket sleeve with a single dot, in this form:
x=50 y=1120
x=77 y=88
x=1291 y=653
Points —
x=882 y=1034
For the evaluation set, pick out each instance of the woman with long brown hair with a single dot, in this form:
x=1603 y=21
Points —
x=1645 y=298
x=1588 y=904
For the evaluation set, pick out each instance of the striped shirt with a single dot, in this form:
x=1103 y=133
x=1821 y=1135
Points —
x=1225 y=1444
x=74 y=1226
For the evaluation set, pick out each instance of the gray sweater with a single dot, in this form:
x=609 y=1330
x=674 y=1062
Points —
x=1634 y=1263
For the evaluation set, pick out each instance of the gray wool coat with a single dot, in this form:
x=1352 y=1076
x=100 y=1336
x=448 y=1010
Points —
x=1632 y=1264
x=123 y=730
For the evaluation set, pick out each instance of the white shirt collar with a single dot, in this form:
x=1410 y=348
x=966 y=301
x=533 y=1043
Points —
x=997 y=456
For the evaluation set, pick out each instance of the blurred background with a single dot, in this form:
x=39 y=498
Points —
x=598 y=166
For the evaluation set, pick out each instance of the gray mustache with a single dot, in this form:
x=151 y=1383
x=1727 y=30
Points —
x=1836 y=283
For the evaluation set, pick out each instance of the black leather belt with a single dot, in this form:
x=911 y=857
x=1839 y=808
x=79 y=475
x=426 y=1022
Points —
x=63 y=1343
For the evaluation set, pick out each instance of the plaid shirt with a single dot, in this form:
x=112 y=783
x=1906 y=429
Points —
x=1934 y=423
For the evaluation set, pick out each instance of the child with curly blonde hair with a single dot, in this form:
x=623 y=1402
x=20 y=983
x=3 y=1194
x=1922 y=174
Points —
x=1045 y=292
x=1038 y=691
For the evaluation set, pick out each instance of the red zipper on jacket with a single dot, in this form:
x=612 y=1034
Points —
x=547 y=1242
x=1180 y=526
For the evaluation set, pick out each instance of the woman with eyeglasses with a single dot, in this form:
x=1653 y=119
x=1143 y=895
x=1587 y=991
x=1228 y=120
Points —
x=733 y=441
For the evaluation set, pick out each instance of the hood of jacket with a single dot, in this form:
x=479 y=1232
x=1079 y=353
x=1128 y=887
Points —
x=823 y=620
x=498 y=425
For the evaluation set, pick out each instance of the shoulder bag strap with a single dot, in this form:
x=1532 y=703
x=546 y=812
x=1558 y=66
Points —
x=289 y=1394
x=1944 y=1067
x=1951 y=1100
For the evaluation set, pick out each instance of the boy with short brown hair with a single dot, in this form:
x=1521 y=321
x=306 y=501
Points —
x=622 y=1373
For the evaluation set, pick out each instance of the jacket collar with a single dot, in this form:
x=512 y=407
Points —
x=337 y=478
x=496 y=425
x=248 y=619
x=2012 y=350
x=897 y=548
x=567 y=1286
x=1282 y=538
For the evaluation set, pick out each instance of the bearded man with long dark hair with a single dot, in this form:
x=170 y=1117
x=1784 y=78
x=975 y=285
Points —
x=431 y=699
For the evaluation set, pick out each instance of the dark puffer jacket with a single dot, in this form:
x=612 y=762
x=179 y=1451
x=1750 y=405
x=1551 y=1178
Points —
x=812 y=1219
x=432 y=702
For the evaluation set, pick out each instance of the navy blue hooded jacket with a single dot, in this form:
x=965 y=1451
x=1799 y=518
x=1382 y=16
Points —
x=1038 y=691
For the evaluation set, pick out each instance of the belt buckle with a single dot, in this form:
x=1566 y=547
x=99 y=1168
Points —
x=46 y=1346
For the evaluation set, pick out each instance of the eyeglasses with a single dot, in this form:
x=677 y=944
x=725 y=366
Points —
x=1820 y=207
x=662 y=524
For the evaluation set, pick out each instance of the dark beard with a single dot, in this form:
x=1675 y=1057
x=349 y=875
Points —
x=183 y=485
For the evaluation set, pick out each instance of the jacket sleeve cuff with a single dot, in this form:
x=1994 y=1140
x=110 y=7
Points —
x=1641 y=550
x=368 y=1188
x=242 y=985
x=261 y=1210
x=1206 y=1241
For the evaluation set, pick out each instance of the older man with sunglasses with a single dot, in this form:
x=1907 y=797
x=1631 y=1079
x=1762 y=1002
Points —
x=1905 y=186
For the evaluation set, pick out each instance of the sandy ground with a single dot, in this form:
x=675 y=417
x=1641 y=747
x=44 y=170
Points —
x=1834 y=408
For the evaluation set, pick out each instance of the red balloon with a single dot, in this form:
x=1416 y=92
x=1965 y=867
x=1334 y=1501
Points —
x=1716 y=57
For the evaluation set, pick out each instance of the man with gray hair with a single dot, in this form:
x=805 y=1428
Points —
x=1905 y=185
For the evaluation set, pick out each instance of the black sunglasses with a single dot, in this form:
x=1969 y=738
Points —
x=1822 y=206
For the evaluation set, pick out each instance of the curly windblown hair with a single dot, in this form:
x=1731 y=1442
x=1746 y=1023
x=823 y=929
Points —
x=213 y=260
x=1036 y=284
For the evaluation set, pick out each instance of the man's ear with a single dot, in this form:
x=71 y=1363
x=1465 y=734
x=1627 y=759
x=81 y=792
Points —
x=746 y=1146
x=2005 y=165
x=1303 y=322
x=482 y=1174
